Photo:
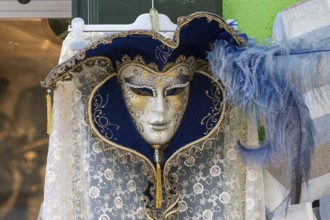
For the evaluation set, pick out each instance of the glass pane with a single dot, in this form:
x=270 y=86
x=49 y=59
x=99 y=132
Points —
x=125 y=12
x=29 y=50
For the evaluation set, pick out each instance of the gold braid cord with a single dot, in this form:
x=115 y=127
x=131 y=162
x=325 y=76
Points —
x=49 y=113
x=159 y=192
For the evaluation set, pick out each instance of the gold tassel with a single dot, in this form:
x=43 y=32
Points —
x=49 y=112
x=159 y=193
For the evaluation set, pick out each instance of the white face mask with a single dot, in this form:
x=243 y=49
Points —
x=156 y=102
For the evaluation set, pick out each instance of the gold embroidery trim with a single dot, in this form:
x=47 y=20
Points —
x=170 y=211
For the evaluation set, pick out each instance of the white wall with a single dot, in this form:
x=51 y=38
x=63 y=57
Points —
x=36 y=9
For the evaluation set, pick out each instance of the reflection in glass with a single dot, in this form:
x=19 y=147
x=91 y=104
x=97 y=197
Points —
x=29 y=49
x=125 y=12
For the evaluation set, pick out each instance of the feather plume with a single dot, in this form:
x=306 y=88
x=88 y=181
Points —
x=254 y=85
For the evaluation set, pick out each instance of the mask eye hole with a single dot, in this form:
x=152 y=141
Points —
x=143 y=91
x=139 y=88
x=175 y=90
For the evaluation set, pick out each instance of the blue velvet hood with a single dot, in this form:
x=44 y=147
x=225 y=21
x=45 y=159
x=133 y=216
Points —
x=190 y=43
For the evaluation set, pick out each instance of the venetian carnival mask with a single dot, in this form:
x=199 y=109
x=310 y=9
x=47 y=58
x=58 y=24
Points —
x=156 y=101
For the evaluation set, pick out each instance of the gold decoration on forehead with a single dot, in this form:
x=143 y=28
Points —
x=126 y=60
x=193 y=64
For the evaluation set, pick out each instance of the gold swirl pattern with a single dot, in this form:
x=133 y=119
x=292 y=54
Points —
x=163 y=52
x=135 y=114
x=100 y=119
x=215 y=94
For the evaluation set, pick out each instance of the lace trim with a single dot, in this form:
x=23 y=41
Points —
x=66 y=73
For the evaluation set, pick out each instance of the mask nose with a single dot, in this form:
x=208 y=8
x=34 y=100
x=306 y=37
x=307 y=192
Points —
x=160 y=106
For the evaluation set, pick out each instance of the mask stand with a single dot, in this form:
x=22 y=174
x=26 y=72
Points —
x=143 y=22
